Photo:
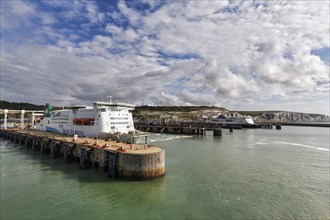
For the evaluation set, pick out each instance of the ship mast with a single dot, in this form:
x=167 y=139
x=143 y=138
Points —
x=110 y=98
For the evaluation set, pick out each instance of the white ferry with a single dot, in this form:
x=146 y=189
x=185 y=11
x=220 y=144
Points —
x=244 y=120
x=100 y=120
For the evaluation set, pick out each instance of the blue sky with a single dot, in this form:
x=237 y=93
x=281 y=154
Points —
x=242 y=55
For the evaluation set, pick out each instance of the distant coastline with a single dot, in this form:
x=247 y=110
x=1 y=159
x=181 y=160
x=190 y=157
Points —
x=199 y=113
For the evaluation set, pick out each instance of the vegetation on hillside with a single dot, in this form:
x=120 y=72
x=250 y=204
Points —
x=175 y=112
x=20 y=106
x=23 y=105
x=139 y=109
x=253 y=113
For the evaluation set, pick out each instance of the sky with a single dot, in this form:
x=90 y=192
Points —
x=241 y=55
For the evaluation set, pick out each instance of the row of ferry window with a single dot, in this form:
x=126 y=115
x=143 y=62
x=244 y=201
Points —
x=61 y=118
x=114 y=127
x=93 y=114
x=119 y=114
x=103 y=110
x=59 y=122
x=113 y=110
x=118 y=118
x=119 y=123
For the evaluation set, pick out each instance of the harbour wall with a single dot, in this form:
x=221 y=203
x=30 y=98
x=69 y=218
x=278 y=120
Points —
x=118 y=159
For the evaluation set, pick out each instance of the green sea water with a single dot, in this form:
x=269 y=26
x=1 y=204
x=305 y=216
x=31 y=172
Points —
x=247 y=174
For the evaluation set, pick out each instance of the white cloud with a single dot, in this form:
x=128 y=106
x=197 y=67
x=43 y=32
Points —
x=185 y=53
x=19 y=8
x=103 y=41
x=47 y=18
x=195 y=9
x=132 y=15
x=113 y=29
x=15 y=13
x=93 y=14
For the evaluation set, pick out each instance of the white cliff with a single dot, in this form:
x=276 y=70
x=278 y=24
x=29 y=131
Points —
x=291 y=117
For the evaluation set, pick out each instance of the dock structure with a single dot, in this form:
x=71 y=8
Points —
x=200 y=128
x=188 y=129
x=119 y=159
x=33 y=113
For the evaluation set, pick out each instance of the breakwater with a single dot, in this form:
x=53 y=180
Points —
x=188 y=129
x=120 y=160
x=199 y=128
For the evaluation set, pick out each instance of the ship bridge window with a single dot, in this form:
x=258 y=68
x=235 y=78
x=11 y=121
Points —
x=103 y=110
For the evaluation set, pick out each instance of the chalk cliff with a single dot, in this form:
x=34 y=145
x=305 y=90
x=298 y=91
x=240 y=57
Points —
x=291 y=117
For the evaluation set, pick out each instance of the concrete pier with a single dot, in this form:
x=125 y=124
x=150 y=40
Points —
x=119 y=159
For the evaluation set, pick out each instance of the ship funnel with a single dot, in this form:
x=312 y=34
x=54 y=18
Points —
x=48 y=109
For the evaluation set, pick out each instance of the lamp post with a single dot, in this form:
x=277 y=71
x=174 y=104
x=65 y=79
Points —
x=22 y=118
x=97 y=132
x=32 y=119
x=5 y=119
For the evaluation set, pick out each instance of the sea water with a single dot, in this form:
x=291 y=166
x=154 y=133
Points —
x=247 y=174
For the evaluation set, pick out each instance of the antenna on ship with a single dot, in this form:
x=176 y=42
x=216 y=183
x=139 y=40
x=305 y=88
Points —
x=110 y=98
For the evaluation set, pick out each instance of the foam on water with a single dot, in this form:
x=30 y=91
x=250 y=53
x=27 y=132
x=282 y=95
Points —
x=301 y=145
x=261 y=143
x=168 y=137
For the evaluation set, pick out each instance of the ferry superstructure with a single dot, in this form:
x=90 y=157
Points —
x=99 y=120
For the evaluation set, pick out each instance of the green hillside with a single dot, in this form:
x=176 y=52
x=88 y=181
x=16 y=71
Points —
x=140 y=109
x=254 y=113
x=20 y=105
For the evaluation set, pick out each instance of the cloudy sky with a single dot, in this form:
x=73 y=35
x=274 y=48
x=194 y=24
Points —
x=242 y=55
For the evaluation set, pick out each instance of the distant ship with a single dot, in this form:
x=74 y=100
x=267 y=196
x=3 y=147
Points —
x=102 y=120
x=243 y=120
